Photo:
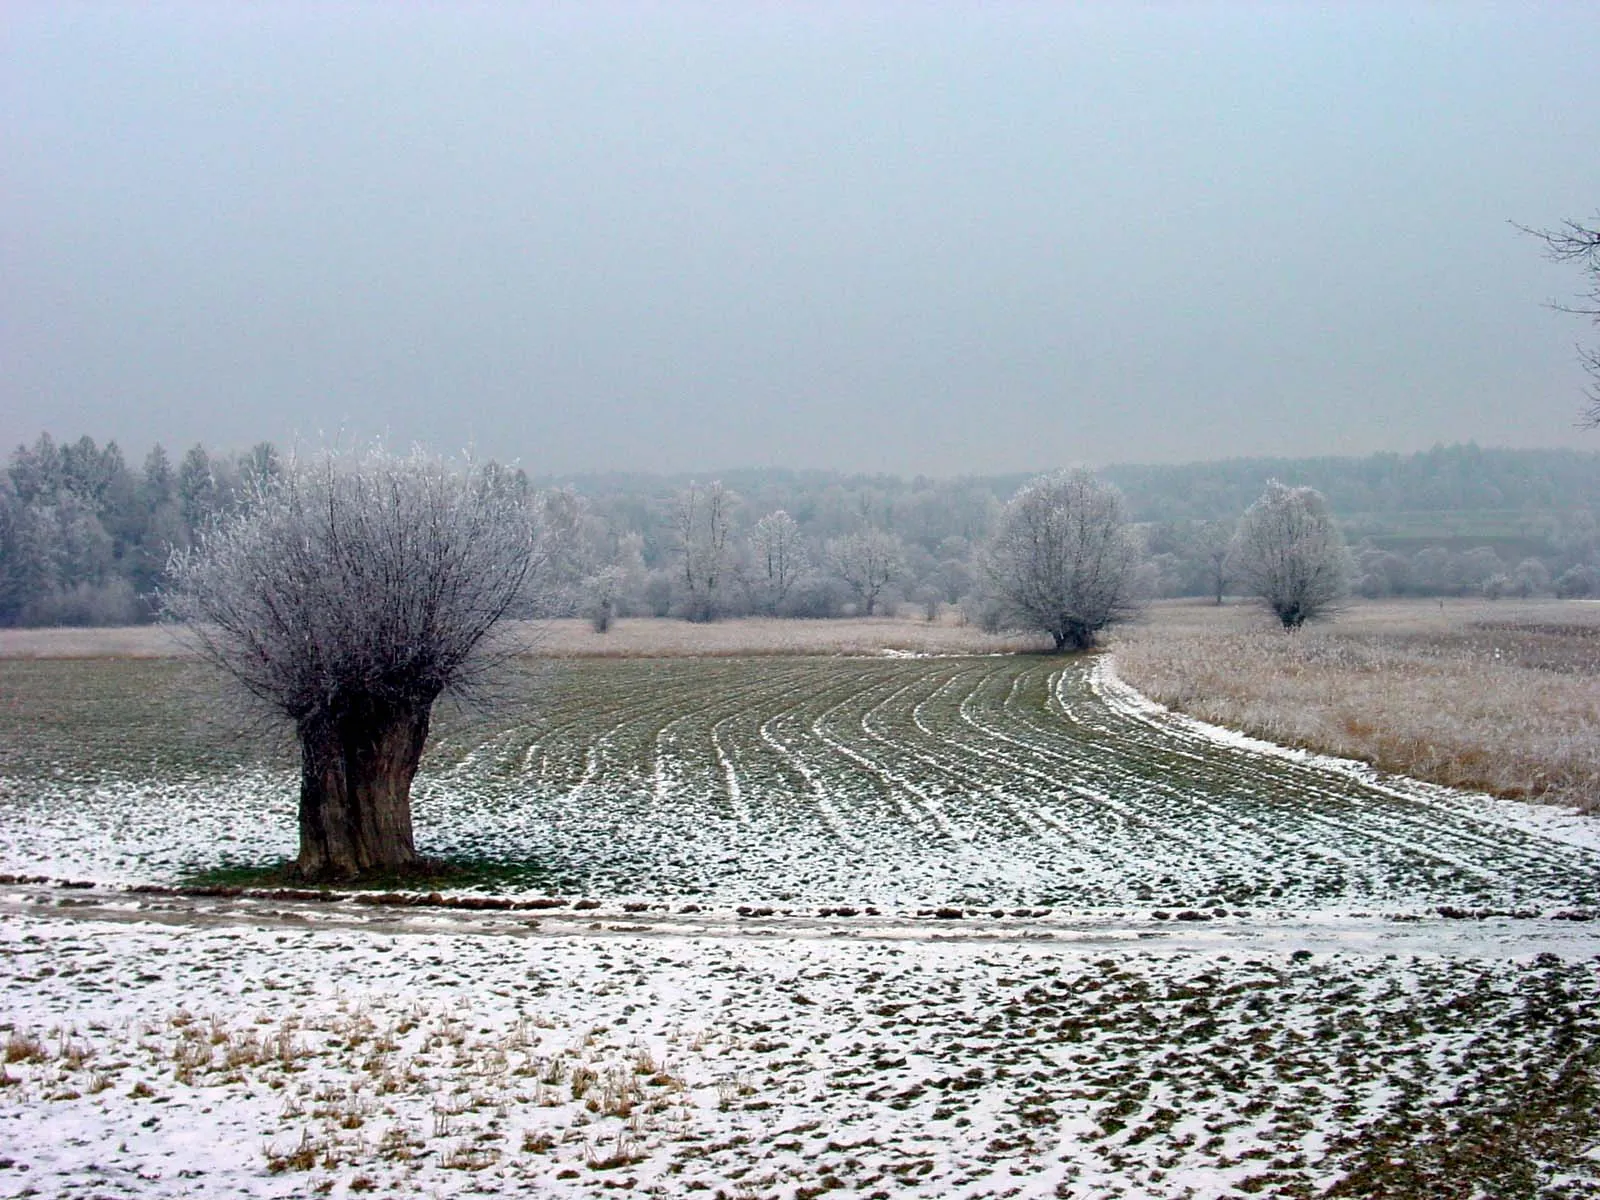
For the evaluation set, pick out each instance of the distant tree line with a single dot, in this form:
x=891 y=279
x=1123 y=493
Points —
x=1463 y=478
x=85 y=537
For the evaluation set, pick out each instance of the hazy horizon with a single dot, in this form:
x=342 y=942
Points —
x=950 y=240
x=134 y=456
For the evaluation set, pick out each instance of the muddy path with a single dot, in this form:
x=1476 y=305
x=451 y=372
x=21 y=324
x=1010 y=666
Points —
x=1480 y=934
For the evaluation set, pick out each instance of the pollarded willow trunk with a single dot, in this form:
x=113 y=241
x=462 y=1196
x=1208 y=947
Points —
x=357 y=761
x=1071 y=636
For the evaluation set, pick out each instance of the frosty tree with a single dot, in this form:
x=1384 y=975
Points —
x=701 y=518
x=1064 y=560
x=779 y=558
x=867 y=562
x=1291 y=555
x=1215 y=551
x=1579 y=243
x=348 y=594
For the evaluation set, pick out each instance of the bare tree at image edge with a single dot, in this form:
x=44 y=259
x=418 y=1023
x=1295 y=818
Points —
x=1064 y=560
x=1575 y=242
x=348 y=595
x=1290 y=554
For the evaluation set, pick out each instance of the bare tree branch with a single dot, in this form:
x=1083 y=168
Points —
x=1576 y=242
x=867 y=562
x=701 y=517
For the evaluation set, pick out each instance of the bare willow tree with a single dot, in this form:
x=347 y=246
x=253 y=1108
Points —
x=867 y=562
x=348 y=594
x=1216 y=556
x=1575 y=242
x=779 y=558
x=1064 y=560
x=1291 y=555
x=702 y=515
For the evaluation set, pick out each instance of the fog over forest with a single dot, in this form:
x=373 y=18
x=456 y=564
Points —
x=847 y=275
x=85 y=536
x=942 y=240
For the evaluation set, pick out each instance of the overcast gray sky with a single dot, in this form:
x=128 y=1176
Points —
x=908 y=238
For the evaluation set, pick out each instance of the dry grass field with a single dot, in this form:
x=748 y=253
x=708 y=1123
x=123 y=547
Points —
x=639 y=638
x=1502 y=697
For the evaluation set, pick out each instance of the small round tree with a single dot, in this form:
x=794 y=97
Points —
x=1064 y=560
x=1291 y=555
x=348 y=594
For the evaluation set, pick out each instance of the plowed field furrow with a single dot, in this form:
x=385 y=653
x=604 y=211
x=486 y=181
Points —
x=983 y=780
x=918 y=797
x=1255 y=819
x=1310 y=800
x=870 y=781
x=862 y=801
x=628 y=724
x=610 y=805
x=1175 y=849
x=1337 y=806
x=948 y=783
x=982 y=711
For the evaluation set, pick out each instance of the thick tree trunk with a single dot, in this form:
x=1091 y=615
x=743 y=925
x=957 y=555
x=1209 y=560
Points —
x=1072 y=636
x=356 y=766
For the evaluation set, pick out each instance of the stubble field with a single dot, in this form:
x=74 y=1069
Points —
x=779 y=925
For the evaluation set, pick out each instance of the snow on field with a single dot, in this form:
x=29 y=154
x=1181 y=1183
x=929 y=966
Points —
x=173 y=1061
x=894 y=783
x=1541 y=820
x=902 y=926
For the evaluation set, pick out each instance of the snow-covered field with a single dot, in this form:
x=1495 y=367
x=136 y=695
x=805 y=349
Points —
x=899 y=783
x=221 y=1059
x=904 y=926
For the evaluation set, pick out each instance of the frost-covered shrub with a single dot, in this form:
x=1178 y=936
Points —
x=1578 y=582
x=112 y=602
x=1290 y=554
x=1064 y=561
x=815 y=595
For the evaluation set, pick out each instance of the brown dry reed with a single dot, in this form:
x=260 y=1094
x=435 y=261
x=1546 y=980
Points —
x=1493 y=696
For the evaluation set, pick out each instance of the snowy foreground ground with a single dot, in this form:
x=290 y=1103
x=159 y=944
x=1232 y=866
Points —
x=989 y=929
